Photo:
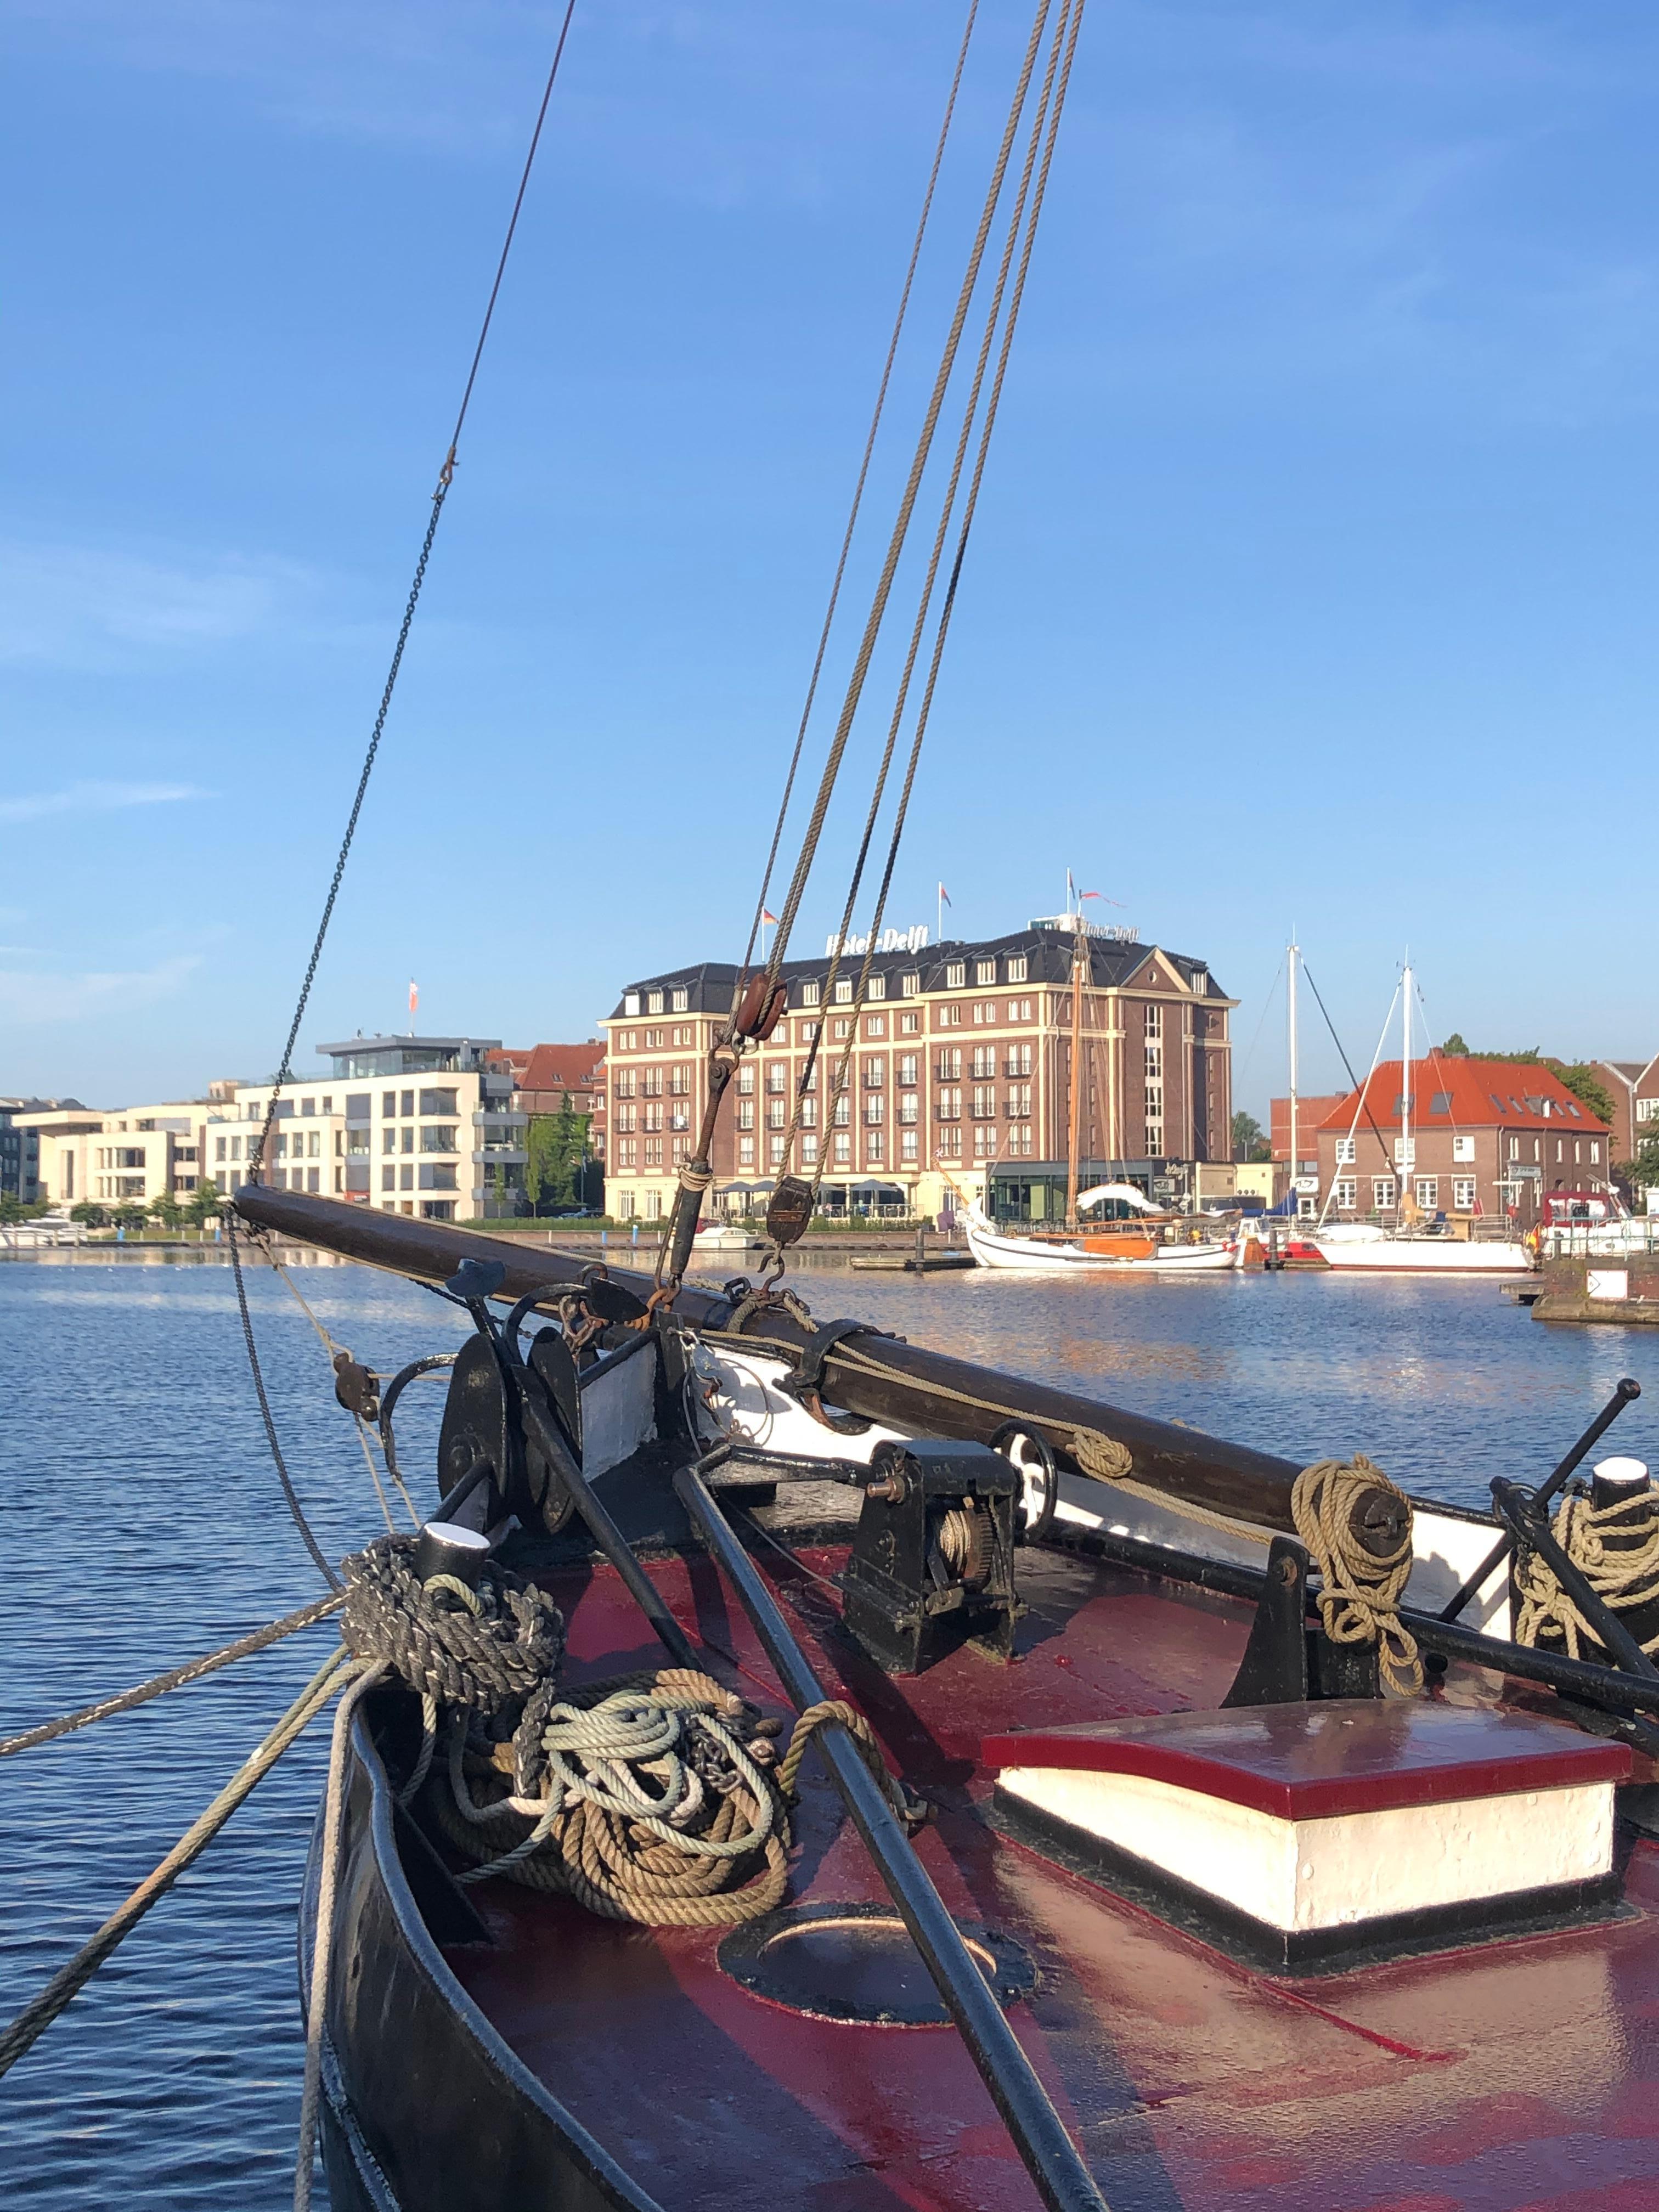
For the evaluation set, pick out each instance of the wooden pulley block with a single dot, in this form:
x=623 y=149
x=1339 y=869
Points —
x=760 y=1009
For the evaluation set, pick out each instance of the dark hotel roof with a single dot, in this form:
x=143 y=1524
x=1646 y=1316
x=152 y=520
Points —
x=1047 y=952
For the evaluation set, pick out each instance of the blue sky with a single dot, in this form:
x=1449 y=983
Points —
x=1313 y=582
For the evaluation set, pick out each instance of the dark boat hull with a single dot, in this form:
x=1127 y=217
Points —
x=425 y=2108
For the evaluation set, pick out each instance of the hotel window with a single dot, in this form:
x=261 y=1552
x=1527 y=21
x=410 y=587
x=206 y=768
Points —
x=875 y=1025
x=653 y=1151
x=809 y=1113
x=680 y=1002
x=1347 y=1192
x=874 y=1146
x=625 y=1118
x=1381 y=1193
x=1019 y=1061
x=877 y=988
x=746 y=1079
x=948 y=1067
x=841 y=1030
x=948 y=1017
x=956 y=974
x=1019 y=1142
x=949 y=1146
x=1200 y=982
x=651 y=1117
x=911 y=985
x=1345 y=1151
x=984 y=1140
x=985 y=971
x=843 y=1152
x=679 y=1082
x=680 y=1147
x=746 y=1151
x=909 y=1110
x=625 y=1152
x=908 y=1068
x=679 y=1117
x=985 y=1061
x=808 y=1032
x=843 y=990
x=948 y=1107
x=985 y=1101
x=1019 y=1101
x=654 y=1039
x=910 y=1145
x=630 y=1002
x=984 y=1012
x=651 y=1085
x=1016 y=969
x=1155 y=1062
x=653 y=1002
x=909 y=1025
x=811 y=993
x=777 y=1075
x=843 y=1113
x=745 y=1112
x=776 y=1114
x=875 y=1072
x=1462 y=1194
x=684 y=1035
x=1019 y=1010
x=1428 y=1192
x=1154 y=1021
x=774 y=1146
x=809 y=1152
x=625 y=1085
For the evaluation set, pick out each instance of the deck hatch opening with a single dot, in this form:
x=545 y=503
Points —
x=858 y=1963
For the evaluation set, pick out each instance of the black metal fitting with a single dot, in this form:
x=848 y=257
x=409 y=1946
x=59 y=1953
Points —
x=932 y=1559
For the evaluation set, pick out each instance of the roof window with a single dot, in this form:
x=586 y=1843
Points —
x=1441 y=1102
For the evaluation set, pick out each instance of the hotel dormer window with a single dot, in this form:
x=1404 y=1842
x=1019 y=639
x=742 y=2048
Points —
x=682 y=1001
x=985 y=971
x=911 y=985
x=653 y=1002
x=843 y=990
x=877 y=988
x=630 y=1002
x=811 y=993
x=956 y=974
x=1016 y=969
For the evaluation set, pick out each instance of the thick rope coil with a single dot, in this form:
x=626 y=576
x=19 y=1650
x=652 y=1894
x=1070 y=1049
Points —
x=1103 y=1456
x=483 y=1648
x=1359 y=1595
x=654 y=1803
x=1624 y=1575
x=911 y=1809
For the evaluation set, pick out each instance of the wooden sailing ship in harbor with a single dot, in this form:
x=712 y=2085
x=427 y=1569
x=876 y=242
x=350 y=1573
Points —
x=790 y=1764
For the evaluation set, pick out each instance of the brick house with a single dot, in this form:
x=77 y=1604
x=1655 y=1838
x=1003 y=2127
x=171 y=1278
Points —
x=1488 y=1138
x=546 y=1075
x=1633 y=1086
x=959 y=1076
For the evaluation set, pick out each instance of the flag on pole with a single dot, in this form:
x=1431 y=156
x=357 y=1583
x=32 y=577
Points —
x=414 y=998
x=945 y=895
x=766 y=916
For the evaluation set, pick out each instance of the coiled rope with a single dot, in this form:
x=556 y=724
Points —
x=1359 y=1593
x=1615 y=1548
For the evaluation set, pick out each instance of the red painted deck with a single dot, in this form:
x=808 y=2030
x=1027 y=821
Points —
x=1511 y=2078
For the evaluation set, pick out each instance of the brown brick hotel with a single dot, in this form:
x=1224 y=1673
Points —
x=960 y=1076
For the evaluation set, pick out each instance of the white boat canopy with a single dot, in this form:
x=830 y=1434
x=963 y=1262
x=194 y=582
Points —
x=1125 y=1191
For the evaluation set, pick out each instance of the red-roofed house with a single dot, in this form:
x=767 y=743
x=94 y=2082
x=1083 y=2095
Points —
x=1633 y=1086
x=546 y=1075
x=1488 y=1137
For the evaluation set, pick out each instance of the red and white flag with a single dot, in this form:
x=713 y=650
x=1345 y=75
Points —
x=767 y=915
x=414 y=998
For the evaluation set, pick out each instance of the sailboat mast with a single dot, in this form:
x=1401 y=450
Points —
x=1293 y=954
x=1078 y=954
x=1405 y=1092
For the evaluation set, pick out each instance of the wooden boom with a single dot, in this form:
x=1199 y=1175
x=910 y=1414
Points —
x=925 y=1393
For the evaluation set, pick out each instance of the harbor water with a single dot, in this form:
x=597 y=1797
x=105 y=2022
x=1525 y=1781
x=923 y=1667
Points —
x=144 y=1524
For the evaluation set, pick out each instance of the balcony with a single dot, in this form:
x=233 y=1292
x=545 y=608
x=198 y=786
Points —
x=499 y=1156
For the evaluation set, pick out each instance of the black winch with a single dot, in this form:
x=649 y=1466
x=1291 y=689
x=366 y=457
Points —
x=933 y=1561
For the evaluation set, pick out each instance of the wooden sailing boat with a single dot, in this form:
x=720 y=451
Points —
x=1089 y=1759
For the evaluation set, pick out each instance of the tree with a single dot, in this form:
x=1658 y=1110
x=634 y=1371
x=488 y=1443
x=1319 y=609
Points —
x=90 y=1213
x=1248 y=1141
x=1585 y=1086
x=166 y=1210
x=1454 y=1047
x=128 y=1215
x=556 y=1145
x=203 y=1204
x=13 y=1208
x=1643 y=1172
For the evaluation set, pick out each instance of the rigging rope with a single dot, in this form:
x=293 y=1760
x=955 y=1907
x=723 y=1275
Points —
x=193 y=1670
x=1359 y=1595
x=288 y=1491
x=1050 y=104
x=858 y=501
x=907 y=504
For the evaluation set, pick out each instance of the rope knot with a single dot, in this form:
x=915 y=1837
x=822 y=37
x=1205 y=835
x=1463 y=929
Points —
x=1360 y=1590
x=486 y=1650
x=1616 y=1549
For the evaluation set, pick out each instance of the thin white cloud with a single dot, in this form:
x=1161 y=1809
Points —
x=95 y=797
x=79 y=604
x=41 y=999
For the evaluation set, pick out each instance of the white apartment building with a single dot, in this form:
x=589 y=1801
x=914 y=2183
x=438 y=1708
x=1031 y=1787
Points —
x=414 y=1125
x=122 y=1155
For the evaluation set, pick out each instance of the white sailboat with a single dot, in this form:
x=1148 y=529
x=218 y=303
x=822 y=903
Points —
x=1411 y=1248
